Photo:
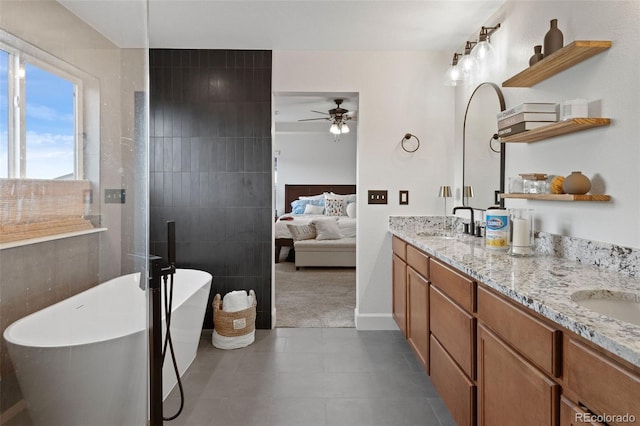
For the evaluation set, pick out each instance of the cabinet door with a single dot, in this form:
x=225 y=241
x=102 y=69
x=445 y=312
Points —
x=399 y=293
x=511 y=390
x=418 y=315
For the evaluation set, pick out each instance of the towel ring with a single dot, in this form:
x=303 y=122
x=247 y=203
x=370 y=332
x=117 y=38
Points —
x=406 y=139
x=495 y=137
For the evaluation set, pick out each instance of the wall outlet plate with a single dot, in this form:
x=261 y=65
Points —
x=377 y=197
x=114 y=196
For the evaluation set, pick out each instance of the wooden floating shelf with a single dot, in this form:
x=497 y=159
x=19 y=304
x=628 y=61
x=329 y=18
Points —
x=559 y=197
x=556 y=129
x=558 y=61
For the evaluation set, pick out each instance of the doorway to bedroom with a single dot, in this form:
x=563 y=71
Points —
x=315 y=152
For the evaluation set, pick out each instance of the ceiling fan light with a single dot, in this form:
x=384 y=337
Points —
x=334 y=129
x=344 y=128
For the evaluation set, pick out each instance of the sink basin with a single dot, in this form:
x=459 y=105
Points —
x=619 y=305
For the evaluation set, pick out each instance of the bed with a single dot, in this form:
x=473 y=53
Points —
x=283 y=237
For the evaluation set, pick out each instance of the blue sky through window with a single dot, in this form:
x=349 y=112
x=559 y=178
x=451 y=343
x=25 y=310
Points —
x=49 y=124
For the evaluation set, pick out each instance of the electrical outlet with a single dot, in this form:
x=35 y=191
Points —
x=377 y=197
x=114 y=196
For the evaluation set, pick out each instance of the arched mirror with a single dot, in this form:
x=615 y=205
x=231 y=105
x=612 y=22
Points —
x=483 y=156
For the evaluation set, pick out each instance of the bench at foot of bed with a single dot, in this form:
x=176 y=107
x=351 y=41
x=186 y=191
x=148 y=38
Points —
x=340 y=252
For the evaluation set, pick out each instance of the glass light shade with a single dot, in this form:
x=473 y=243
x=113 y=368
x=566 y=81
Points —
x=453 y=76
x=334 y=129
x=468 y=65
x=484 y=53
x=344 y=128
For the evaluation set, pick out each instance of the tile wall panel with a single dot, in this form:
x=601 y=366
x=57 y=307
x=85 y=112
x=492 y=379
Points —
x=210 y=161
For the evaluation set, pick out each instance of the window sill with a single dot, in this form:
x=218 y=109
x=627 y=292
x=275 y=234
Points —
x=19 y=243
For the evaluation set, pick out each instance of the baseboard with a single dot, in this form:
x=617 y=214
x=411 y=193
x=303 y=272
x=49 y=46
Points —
x=374 y=321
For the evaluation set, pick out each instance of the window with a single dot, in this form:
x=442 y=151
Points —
x=4 y=114
x=39 y=116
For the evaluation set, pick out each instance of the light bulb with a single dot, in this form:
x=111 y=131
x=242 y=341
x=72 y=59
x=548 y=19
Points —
x=468 y=64
x=452 y=77
x=484 y=53
x=334 y=129
x=344 y=128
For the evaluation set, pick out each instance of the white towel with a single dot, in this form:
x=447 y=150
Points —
x=235 y=301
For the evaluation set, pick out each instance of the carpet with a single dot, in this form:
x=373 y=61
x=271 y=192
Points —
x=315 y=297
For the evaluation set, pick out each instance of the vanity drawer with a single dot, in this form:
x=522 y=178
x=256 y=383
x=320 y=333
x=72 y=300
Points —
x=399 y=247
x=572 y=415
x=600 y=384
x=455 y=329
x=453 y=386
x=537 y=341
x=418 y=261
x=459 y=288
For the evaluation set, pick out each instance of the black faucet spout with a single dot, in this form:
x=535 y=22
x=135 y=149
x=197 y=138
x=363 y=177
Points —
x=472 y=224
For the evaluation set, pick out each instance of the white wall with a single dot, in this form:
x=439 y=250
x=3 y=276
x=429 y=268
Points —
x=399 y=93
x=314 y=158
x=609 y=155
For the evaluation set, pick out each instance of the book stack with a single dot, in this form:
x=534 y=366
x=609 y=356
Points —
x=525 y=117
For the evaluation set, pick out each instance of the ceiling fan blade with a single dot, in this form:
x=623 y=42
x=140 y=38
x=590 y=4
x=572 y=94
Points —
x=319 y=112
x=313 y=119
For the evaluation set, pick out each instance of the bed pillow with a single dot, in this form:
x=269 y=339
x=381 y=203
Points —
x=348 y=198
x=298 y=206
x=302 y=232
x=311 y=209
x=334 y=207
x=313 y=197
x=326 y=229
x=351 y=210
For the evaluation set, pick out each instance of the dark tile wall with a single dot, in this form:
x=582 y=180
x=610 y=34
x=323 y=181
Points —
x=210 y=164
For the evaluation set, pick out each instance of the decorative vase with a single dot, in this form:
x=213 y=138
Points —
x=553 y=39
x=537 y=55
x=576 y=183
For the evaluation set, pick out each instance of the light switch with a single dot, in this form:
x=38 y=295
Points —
x=404 y=197
x=377 y=197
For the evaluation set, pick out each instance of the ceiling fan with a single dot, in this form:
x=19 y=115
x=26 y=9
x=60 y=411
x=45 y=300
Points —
x=338 y=117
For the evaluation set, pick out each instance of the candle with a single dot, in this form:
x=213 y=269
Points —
x=521 y=232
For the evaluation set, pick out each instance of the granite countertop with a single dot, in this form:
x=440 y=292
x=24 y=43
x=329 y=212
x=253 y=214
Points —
x=543 y=283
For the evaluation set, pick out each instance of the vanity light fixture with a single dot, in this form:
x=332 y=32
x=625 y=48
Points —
x=483 y=52
x=453 y=76
x=468 y=64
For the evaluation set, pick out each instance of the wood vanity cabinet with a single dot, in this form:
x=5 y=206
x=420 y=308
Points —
x=518 y=355
x=453 y=340
x=511 y=390
x=600 y=384
x=418 y=304
x=494 y=361
x=399 y=283
x=573 y=415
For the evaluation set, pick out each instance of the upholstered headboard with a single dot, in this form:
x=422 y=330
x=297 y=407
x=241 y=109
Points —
x=292 y=192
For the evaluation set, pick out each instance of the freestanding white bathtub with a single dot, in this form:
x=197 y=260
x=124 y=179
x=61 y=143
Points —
x=84 y=360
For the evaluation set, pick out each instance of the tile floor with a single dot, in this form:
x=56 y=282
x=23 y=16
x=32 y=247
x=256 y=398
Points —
x=308 y=377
